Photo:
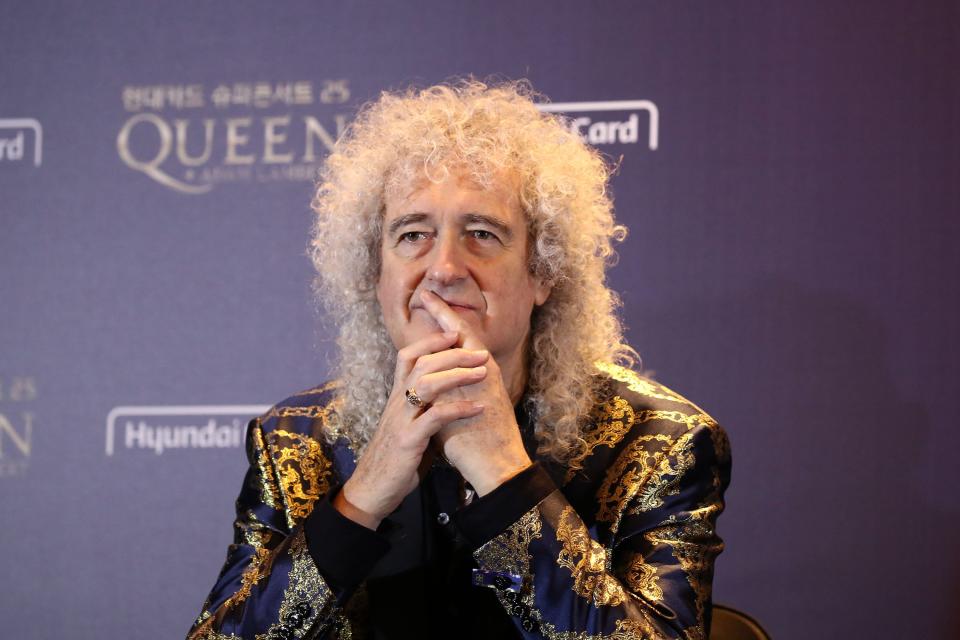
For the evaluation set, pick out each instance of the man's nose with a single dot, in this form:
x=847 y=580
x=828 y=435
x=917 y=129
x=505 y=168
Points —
x=447 y=261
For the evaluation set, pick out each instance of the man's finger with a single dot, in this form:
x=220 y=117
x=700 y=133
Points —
x=433 y=343
x=439 y=415
x=434 y=384
x=448 y=359
x=448 y=319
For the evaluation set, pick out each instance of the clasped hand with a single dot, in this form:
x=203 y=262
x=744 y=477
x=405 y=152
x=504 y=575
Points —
x=467 y=414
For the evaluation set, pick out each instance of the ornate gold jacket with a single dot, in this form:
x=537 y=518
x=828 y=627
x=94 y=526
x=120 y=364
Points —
x=618 y=543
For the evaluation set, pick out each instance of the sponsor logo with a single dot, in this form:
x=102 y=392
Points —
x=160 y=429
x=190 y=138
x=21 y=140
x=16 y=424
x=612 y=122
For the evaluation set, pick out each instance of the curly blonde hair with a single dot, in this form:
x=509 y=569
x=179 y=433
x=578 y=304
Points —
x=471 y=127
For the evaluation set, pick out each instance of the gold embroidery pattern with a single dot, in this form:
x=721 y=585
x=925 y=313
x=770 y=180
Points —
x=306 y=585
x=200 y=628
x=327 y=414
x=636 y=463
x=626 y=629
x=642 y=578
x=587 y=561
x=665 y=479
x=637 y=628
x=649 y=468
x=689 y=420
x=694 y=544
x=269 y=491
x=209 y=634
x=613 y=420
x=628 y=473
x=254 y=532
x=335 y=430
x=641 y=385
x=312 y=411
x=509 y=551
x=259 y=568
x=302 y=471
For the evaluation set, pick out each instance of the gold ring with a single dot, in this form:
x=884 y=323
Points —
x=413 y=398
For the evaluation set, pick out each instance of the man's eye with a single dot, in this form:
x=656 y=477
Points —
x=413 y=236
x=482 y=234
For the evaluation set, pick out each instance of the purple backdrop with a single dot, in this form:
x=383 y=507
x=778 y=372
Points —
x=789 y=269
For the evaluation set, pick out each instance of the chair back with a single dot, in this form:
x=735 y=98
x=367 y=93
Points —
x=731 y=624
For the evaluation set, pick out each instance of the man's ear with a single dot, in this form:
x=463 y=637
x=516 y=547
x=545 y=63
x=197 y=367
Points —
x=541 y=290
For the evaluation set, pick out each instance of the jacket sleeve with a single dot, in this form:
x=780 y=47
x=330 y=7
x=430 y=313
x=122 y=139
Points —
x=641 y=568
x=285 y=574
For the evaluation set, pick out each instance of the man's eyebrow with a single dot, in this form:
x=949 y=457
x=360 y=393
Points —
x=406 y=219
x=492 y=221
x=470 y=218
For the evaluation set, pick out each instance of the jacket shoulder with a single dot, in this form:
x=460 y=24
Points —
x=638 y=415
x=643 y=394
x=307 y=412
x=290 y=451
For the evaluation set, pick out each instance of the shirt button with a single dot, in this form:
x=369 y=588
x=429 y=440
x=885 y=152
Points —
x=443 y=518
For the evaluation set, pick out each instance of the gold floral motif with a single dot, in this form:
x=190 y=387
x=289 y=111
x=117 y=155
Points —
x=629 y=472
x=260 y=564
x=665 y=479
x=331 y=426
x=334 y=430
x=638 y=627
x=305 y=585
x=258 y=538
x=302 y=471
x=616 y=418
x=312 y=411
x=254 y=532
x=612 y=421
x=269 y=491
x=689 y=420
x=587 y=561
x=258 y=569
x=694 y=544
x=509 y=552
x=644 y=476
x=639 y=384
x=209 y=634
x=642 y=578
x=625 y=629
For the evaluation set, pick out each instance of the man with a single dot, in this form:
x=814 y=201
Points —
x=480 y=467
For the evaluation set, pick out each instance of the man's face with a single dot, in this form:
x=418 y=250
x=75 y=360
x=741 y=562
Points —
x=468 y=245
